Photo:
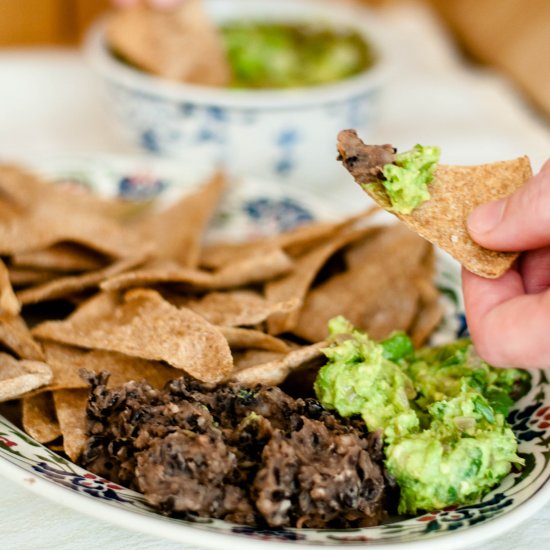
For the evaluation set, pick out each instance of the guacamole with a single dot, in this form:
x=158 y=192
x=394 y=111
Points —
x=285 y=55
x=442 y=411
x=406 y=180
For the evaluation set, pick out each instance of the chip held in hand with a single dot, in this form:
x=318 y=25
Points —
x=453 y=193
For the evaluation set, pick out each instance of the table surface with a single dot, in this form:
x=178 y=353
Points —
x=51 y=105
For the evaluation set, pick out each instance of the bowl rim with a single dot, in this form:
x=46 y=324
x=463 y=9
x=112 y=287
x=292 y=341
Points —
x=356 y=17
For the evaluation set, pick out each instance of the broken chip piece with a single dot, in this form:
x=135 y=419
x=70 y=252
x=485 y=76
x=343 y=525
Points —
x=19 y=376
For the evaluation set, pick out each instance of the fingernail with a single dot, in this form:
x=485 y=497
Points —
x=486 y=217
x=546 y=167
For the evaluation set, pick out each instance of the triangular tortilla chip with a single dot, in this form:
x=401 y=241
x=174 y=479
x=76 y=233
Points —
x=294 y=242
x=243 y=338
x=147 y=326
x=18 y=377
x=15 y=335
x=181 y=43
x=70 y=408
x=246 y=271
x=275 y=371
x=63 y=287
x=295 y=285
x=454 y=193
x=39 y=419
x=235 y=308
x=9 y=304
x=67 y=361
x=59 y=257
x=22 y=277
x=178 y=230
x=49 y=215
x=364 y=288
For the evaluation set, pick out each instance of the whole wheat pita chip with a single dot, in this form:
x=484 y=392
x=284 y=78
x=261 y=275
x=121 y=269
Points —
x=427 y=319
x=295 y=285
x=39 y=419
x=147 y=326
x=243 y=338
x=98 y=306
x=364 y=288
x=22 y=188
x=67 y=361
x=178 y=230
x=243 y=272
x=251 y=357
x=21 y=277
x=394 y=307
x=181 y=44
x=59 y=257
x=275 y=371
x=49 y=215
x=63 y=287
x=9 y=304
x=294 y=242
x=19 y=376
x=70 y=408
x=15 y=335
x=236 y=308
x=454 y=193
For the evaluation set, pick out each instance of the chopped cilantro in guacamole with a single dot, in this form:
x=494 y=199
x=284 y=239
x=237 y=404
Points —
x=442 y=411
x=406 y=180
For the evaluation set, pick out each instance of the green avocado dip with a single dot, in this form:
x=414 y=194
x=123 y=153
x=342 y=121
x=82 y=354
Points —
x=406 y=180
x=442 y=411
x=284 y=55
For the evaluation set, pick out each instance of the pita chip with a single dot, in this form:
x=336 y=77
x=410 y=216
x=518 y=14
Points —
x=237 y=308
x=70 y=408
x=178 y=230
x=295 y=285
x=9 y=304
x=67 y=361
x=60 y=257
x=275 y=371
x=145 y=325
x=249 y=270
x=454 y=192
x=63 y=287
x=39 y=419
x=15 y=335
x=19 y=376
x=180 y=43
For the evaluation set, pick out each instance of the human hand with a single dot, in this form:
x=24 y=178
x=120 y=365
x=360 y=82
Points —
x=509 y=317
x=160 y=4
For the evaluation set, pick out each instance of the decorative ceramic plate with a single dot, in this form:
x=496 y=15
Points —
x=253 y=208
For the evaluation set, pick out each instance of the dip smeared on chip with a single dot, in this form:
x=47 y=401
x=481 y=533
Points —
x=406 y=180
x=402 y=177
x=442 y=411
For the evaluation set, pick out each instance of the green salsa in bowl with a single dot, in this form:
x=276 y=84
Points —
x=288 y=55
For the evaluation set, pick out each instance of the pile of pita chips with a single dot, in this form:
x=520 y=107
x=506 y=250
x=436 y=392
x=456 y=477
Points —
x=156 y=302
x=180 y=44
x=454 y=193
x=21 y=364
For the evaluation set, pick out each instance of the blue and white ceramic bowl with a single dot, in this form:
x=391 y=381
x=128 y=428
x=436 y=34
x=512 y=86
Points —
x=277 y=134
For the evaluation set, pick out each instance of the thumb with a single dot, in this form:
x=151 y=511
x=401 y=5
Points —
x=518 y=222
